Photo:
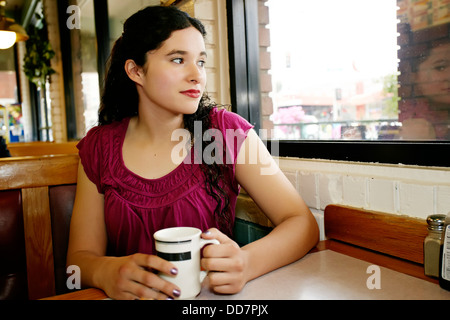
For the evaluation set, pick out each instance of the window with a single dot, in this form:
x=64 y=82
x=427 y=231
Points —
x=11 y=127
x=335 y=76
x=344 y=77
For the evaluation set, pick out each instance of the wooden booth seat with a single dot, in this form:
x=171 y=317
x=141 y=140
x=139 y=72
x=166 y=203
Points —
x=36 y=200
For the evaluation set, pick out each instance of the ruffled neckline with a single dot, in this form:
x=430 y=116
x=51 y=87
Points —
x=133 y=181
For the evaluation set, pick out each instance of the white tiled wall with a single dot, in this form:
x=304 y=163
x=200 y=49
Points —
x=397 y=189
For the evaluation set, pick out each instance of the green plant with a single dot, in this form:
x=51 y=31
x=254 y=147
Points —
x=39 y=53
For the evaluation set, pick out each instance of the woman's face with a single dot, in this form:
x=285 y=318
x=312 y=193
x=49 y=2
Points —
x=174 y=75
x=433 y=76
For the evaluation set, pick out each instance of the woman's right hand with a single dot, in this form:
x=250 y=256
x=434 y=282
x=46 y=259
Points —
x=134 y=277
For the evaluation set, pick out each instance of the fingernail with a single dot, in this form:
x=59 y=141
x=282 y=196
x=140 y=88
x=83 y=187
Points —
x=176 y=293
x=169 y=298
x=207 y=232
x=174 y=271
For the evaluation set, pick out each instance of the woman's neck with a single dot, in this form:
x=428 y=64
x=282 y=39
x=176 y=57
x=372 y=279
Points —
x=148 y=147
x=157 y=127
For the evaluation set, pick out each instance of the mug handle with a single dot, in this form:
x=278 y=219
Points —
x=204 y=242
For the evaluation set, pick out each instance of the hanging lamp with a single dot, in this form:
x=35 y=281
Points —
x=10 y=31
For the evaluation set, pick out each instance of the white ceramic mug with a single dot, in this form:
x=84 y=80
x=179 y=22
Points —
x=181 y=246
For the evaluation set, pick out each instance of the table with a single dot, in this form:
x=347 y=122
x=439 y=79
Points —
x=331 y=271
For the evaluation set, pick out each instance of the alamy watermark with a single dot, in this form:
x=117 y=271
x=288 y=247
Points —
x=74 y=277
x=74 y=20
x=374 y=280
x=224 y=149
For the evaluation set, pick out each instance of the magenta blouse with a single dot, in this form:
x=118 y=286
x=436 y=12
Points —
x=136 y=207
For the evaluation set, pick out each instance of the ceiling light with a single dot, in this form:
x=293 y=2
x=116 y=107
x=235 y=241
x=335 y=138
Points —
x=10 y=31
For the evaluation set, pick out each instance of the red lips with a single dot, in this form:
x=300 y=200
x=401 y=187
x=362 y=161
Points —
x=192 y=93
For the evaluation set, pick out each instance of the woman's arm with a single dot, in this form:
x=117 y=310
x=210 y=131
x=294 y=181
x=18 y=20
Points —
x=129 y=277
x=88 y=238
x=295 y=231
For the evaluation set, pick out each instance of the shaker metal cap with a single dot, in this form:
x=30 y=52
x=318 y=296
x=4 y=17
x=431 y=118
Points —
x=436 y=221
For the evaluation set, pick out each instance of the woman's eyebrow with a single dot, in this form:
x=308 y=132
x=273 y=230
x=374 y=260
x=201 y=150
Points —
x=440 y=61
x=182 y=52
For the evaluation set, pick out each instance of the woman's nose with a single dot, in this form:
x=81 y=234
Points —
x=195 y=74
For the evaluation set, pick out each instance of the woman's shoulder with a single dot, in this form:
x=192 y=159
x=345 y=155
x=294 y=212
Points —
x=234 y=129
x=225 y=119
x=100 y=139
x=102 y=133
x=96 y=149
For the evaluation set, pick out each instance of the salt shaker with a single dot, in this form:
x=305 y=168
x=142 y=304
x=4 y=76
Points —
x=444 y=257
x=432 y=243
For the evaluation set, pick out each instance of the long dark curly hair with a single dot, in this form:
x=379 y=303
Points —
x=144 y=31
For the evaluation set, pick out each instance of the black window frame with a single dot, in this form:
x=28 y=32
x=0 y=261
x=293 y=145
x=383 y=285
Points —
x=243 y=46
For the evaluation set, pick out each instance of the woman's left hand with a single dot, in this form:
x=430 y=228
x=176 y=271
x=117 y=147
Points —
x=225 y=262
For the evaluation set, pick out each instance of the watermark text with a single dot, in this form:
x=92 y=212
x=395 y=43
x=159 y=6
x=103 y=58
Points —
x=74 y=20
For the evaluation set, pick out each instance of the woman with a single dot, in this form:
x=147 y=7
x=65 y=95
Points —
x=130 y=184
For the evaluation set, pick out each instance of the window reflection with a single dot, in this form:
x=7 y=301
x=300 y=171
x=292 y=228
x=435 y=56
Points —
x=11 y=126
x=425 y=77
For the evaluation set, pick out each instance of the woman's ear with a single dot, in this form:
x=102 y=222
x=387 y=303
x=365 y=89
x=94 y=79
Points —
x=133 y=71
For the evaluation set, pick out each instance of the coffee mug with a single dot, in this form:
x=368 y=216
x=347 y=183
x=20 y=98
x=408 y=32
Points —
x=182 y=246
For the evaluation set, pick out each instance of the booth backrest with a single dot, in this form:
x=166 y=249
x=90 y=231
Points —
x=41 y=148
x=38 y=194
x=61 y=203
x=13 y=271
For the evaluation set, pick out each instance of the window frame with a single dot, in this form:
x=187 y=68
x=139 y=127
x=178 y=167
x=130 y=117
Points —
x=244 y=82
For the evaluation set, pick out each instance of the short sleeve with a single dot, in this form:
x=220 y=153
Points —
x=90 y=152
x=234 y=129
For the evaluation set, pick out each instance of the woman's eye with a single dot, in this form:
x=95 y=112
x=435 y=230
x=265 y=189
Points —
x=178 y=60
x=201 y=63
x=440 y=68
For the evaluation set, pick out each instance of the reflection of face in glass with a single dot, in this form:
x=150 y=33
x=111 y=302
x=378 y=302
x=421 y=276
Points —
x=433 y=77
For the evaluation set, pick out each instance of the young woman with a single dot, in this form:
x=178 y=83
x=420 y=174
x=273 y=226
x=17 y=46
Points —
x=130 y=184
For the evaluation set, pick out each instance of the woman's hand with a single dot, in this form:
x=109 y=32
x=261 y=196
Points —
x=133 y=277
x=226 y=263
